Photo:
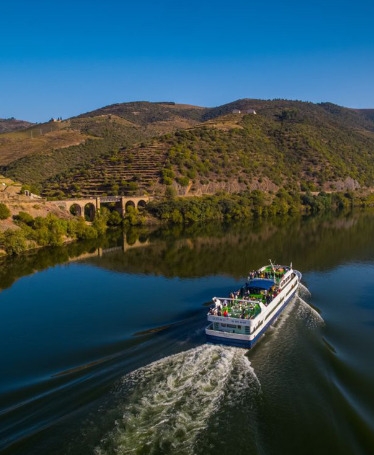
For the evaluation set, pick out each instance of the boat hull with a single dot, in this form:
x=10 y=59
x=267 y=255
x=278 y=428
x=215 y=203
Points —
x=245 y=341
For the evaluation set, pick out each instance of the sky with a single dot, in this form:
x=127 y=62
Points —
x=62 y=59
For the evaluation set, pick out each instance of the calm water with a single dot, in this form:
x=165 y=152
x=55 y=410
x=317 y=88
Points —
x=103 y=350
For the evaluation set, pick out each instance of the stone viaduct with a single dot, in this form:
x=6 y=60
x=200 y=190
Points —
x=90 y=206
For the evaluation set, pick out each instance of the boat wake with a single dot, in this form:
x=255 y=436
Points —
x=309 y=314
x=283 y=317
x=166 y=405
x=303 y=290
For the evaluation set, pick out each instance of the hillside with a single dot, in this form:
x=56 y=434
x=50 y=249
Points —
x=11 y=124
x=262 y=151
x=142 y=147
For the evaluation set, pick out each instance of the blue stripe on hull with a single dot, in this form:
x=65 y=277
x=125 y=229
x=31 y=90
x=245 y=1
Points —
x=249 y=343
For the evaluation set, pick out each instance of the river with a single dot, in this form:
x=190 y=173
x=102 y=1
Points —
x=103 y=348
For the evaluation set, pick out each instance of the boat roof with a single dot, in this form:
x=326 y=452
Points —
x=261 y=283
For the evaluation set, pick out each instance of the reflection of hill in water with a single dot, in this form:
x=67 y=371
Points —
x=15 y=267
x=208 y=249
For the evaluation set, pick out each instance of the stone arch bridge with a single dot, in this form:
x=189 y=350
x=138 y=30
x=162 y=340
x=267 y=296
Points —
x=91 y=205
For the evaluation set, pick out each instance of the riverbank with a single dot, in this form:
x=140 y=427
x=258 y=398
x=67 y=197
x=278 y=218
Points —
x=28 y=221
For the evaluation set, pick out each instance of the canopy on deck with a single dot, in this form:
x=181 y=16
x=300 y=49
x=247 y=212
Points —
x=261 y=284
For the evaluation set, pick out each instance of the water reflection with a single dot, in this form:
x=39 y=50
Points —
x=211 y=248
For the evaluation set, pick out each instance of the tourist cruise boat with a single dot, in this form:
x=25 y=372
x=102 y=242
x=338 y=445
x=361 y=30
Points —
x=243 y=317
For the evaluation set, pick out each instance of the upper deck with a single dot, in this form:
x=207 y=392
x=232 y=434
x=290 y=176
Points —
x=259 y=291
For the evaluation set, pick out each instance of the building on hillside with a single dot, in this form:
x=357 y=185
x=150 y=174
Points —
x=246 y=111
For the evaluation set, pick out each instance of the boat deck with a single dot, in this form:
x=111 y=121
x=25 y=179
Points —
x=234 y=308
x=262 y=286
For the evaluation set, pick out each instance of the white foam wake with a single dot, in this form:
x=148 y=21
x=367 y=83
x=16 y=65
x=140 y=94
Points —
x=303 y=290
x=172 y=400
x=309 y=314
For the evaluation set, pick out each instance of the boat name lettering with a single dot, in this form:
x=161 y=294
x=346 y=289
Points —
x=224 y=319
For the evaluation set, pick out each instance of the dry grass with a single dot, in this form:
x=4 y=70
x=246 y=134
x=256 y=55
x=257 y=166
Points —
x=37 y=140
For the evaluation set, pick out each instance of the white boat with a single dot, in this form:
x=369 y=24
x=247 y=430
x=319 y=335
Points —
x=243 y=317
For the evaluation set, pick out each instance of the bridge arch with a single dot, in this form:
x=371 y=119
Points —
x=76 y=210
x=135 y=202
x=128 y=205
x=141 y=204
x=89 y=211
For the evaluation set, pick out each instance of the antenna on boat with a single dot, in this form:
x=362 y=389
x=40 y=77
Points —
x=273 y=268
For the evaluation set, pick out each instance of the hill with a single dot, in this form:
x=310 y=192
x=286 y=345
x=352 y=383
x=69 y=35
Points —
x=158 y=116
x=142 y=147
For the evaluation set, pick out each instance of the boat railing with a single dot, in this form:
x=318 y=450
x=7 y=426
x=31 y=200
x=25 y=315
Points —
x=244 y=308
x=276 y=276
x=236 y=301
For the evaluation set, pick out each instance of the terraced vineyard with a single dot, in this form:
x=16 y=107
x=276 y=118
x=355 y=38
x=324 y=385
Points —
x=129 y=172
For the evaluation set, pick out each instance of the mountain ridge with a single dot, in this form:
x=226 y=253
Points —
x=129 y=148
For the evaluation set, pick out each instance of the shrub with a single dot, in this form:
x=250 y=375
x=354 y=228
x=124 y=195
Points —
x=167 y=181
x=4 y=212
x=14 y=241
x=24 y=217
x=183 y=181
x=114 y=219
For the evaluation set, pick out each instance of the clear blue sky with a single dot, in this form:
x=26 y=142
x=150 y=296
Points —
x=60 y=59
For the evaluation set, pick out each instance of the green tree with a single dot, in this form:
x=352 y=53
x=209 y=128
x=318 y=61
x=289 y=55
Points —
x=114 y=219
x=100 y=221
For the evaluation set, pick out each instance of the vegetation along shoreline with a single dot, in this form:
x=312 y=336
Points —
x=21 y=231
